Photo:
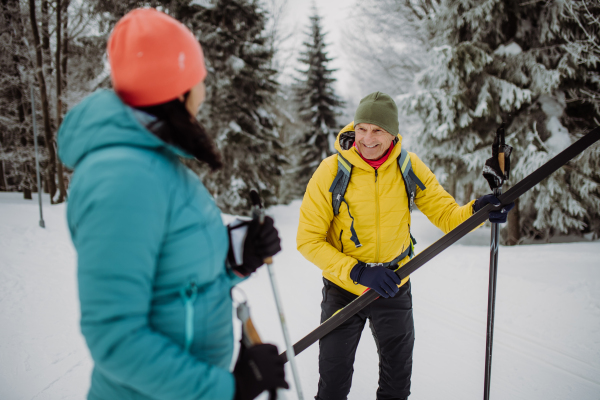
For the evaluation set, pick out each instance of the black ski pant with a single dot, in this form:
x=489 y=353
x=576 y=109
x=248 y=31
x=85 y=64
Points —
x=391 y=323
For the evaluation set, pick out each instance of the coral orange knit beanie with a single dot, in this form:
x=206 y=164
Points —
x=153 y=58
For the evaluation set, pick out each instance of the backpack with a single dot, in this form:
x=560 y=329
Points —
x=340 y=184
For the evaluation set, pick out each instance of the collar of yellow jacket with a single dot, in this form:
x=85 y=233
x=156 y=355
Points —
x=356 y=160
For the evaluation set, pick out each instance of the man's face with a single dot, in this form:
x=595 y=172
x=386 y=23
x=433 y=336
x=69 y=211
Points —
x=372 y=141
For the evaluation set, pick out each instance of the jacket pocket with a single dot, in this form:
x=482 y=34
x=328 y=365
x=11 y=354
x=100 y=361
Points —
x=341 y=243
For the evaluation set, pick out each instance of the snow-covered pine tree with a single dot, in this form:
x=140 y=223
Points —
x=386 y=43
x=318 y=106
x=240 y=99
x=532 y=66
x=241 y=92
x=290 y=127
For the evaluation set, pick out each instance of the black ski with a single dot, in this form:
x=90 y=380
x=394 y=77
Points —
x=452 y=237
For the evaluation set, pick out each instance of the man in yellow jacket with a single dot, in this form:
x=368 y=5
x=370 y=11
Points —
x=361 y=246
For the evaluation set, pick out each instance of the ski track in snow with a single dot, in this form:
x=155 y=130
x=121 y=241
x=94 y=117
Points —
x=546 y=336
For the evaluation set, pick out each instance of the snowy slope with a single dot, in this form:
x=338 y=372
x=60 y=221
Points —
x=547 y=336
x=42 y=353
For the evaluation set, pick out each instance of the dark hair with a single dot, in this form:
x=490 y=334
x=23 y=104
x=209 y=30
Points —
x=182 y=130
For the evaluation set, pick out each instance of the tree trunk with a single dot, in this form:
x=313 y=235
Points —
x=468 y=192
x=3 y=185
x=12 y=23
x=514 y=226
x=26 y=183
x=58 y=64
x=51 y=170
x=451 y=186
x=46 y=39
x=62 y=185
x=62 y=192
x=65 y=48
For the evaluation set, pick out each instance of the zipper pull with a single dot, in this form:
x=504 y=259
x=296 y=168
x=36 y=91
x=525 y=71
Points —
x=375 y=175
x=189 y=294
x=191 y=290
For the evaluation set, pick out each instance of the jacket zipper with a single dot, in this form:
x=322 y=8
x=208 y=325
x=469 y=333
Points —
x=189 y=294
x=342 y=243
x=377 y=216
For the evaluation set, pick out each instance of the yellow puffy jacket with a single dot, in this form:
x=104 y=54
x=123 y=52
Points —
x=379 y=205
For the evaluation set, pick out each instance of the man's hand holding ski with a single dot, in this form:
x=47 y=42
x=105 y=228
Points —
x=381 y=279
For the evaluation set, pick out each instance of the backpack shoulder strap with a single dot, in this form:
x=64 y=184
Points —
x=340 y=183
x=338 y=190
x=411 y=181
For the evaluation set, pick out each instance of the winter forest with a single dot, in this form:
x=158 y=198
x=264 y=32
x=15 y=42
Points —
x=457 y=70
x=283 y=78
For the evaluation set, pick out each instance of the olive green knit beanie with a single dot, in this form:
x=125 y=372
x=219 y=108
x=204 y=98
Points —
x=378 y=109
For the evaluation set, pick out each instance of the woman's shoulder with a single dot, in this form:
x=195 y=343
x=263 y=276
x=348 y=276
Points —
x=121 y=159
x=116 y=170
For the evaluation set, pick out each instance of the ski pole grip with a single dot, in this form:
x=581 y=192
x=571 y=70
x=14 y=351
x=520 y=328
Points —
x=260 y=212
x=251 y=332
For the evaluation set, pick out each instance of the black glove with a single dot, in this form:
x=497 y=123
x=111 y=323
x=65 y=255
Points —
x=250 y=243
x=381 y=279
x=498 y=216
x=257 y=369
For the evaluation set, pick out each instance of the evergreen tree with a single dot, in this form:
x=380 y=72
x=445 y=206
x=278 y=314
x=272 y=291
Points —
x=240 y=103
x=534 y=66
x=318 y=106
x=239 y=110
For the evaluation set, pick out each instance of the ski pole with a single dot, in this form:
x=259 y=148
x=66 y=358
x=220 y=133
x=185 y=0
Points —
x=250 y=336
x=491 y=303
x=259 y=211
x=498 y=148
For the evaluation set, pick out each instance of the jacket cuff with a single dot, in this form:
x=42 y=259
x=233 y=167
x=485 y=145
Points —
x=233 y=278
x=357 y=272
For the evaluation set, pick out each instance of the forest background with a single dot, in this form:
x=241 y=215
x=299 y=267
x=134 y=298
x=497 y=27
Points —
x=456 y=68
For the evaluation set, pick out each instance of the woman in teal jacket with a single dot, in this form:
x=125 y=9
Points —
x=156 y=310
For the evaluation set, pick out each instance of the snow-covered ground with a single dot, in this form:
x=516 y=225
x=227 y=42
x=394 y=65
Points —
x=547 y=332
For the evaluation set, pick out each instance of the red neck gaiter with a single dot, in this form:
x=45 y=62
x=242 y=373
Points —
x=376 y=163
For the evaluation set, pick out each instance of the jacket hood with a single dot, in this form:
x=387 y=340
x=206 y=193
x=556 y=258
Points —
x=103 y=120
x=344 y=145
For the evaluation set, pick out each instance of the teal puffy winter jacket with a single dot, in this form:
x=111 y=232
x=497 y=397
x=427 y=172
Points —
x=156 y=308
